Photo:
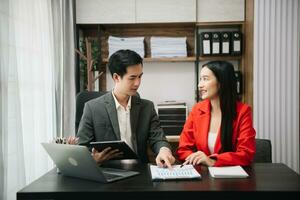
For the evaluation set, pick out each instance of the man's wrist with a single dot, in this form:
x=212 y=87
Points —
x=165 y=149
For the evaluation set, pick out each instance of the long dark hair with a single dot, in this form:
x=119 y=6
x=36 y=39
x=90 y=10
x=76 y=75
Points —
x=224 y=72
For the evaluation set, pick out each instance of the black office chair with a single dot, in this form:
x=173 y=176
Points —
x=81 y=99
x=263 y=151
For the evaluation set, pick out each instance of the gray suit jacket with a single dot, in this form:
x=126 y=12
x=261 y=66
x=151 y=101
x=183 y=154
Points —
x=99 y=122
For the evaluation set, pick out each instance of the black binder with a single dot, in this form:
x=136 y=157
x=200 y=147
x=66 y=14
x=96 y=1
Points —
x=239 y=82
x=225 y=43
x=216 y=41
x=205 y=43
x=236 y=43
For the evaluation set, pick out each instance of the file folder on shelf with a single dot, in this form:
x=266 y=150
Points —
x=216 y=43
x=237 y=41
x=205 y=43
x=239 y=82
x=225 y=43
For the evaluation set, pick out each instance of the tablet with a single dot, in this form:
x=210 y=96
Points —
x=128 y=153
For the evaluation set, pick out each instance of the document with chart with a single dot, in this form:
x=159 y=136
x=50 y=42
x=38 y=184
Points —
x=184 y=172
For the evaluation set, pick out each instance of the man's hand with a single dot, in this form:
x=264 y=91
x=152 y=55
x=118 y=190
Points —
x=165 y=158
x=106 y=154
x=72 y=140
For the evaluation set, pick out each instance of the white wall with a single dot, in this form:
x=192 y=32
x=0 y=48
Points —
x=276 y=77
x=166 y=81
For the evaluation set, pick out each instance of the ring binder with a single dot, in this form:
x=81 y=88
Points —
x=236 y=43
x=205 y=43
x=216 y=43
x=225 y=41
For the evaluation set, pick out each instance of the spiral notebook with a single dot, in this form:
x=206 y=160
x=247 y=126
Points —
x=183 y=173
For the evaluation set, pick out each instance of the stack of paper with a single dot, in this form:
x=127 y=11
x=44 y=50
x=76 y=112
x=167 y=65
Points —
x=168 y=47
x=185 y=172
x=133 y=43
x=227 y=172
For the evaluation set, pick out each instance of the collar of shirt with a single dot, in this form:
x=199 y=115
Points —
x=118 y=105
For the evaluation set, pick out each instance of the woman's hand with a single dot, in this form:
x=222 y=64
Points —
x=199 y=157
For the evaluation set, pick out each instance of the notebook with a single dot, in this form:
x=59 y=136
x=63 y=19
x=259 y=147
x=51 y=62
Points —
x=76 y=161
x=185 y=172
x=228 y=172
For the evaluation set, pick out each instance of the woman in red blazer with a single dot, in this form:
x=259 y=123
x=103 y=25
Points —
x=218 y=131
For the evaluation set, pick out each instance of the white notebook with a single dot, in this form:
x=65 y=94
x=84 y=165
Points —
x=228 y=172
x=185 y=172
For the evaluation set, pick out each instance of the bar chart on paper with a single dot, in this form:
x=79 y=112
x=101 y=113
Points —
x=185 y=172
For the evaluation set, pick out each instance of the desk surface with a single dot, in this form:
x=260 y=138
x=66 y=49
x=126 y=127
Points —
x=265 y=179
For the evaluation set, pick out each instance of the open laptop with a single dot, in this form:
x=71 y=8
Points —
x=76 y=161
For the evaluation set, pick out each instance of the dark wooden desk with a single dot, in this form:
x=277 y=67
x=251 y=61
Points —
x=268 y=179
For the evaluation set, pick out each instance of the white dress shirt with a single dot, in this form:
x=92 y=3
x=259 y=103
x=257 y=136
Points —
x=124 y=122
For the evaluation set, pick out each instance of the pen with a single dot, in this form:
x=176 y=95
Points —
x=184 y=163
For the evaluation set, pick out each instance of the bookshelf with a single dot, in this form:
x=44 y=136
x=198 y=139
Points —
x=93 y=23
x=190 y=31
x=238 y=59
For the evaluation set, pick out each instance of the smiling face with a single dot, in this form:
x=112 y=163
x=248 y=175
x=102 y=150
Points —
x=208 y=84
x=130 y=82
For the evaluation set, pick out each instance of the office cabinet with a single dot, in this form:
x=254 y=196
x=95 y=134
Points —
x=220 y=10
x=168 y=21
x=132 y=11
x=157 y=11
x=105 y=11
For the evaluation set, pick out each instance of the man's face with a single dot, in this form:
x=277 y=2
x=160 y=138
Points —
x=129 y=84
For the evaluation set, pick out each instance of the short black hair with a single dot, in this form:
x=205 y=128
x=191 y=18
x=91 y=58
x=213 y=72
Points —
x=121 y=59
x=224 y=72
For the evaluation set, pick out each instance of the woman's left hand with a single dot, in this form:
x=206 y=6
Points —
x=199 y=157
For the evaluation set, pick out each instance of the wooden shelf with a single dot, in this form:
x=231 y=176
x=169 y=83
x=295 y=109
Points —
x=189 y=30
x=147 y=31
x=219 y=24
x=177 y=59
x=207 y=58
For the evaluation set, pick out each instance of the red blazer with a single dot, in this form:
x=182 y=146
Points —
x=195 y=135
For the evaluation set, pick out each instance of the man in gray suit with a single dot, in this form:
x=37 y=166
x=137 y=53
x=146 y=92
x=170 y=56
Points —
x=122 y=115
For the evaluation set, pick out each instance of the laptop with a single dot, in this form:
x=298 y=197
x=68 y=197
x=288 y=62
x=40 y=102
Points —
x=76 y=161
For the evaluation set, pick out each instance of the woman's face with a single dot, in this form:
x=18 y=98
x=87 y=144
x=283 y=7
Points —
x=208 y=84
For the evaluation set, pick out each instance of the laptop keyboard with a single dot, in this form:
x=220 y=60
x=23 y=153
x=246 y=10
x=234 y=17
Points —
x=111 y=176
x=111 y=173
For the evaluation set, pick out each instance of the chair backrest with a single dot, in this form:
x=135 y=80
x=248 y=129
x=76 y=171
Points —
x=263 y=151
x=81 y=99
